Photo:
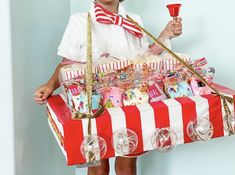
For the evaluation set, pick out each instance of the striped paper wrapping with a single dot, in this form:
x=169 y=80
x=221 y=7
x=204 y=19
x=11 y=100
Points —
x=163 y=63
x=142 y=119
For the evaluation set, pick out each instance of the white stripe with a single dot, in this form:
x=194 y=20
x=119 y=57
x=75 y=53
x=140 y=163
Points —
x=122 y=65
x=202 y=107
x=72 y=74
x=147 y=124
x=57 y=139
x=104 y=67
x=115 y=66
x=128 y=22
x=68 y=75
x=131 y=28
x=176 y=118
x=76 y=73
x=58 y=124
x=118 y=120
x=118 y=65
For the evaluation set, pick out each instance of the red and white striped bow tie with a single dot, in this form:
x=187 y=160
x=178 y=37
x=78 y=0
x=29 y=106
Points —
x=105 y=17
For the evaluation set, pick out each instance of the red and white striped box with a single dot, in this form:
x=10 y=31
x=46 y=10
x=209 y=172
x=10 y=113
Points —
x=143 y=119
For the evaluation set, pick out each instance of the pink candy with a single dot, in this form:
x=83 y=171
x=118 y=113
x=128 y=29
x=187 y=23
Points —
x=199 y=90
x=112 y=97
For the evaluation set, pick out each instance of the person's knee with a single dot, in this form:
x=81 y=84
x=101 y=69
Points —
x=125 y=166
x=100 y=170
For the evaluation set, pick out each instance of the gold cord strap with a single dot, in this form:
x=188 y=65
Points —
x=89 y=75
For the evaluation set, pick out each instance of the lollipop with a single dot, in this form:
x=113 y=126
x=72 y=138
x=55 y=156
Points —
x=164 y=140
x=200 y=130
x=229 y=123
x=124 y=141
x=92 y=148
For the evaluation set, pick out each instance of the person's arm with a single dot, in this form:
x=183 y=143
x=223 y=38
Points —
x=172 y=30
x=43 y=92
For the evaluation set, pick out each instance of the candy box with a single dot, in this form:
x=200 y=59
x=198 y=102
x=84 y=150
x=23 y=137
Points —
x=199 y=88
x=143 y=119
x=112 y=97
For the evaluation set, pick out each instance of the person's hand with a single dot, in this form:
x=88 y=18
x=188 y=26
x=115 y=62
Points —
x=173 y=29
x=42 y=93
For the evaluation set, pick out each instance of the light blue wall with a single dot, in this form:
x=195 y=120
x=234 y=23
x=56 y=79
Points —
x=6 y=98
x=208 y=32
x=37 y=28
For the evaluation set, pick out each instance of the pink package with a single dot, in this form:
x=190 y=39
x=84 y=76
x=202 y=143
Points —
x=199 y=88
x=112 y=97
x=155 y=93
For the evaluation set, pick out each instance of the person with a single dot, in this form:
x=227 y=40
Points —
x=108 y=39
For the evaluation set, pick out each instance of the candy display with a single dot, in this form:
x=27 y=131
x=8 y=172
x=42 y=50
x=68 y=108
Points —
x=134 y=82
x=133 y=93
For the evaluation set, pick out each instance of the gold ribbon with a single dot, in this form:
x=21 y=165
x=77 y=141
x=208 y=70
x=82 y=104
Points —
x=89 y=75
x=224 y=98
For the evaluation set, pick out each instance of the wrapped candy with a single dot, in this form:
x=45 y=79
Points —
x=199 y=88
x=124 y=141
x=164 y=140
x=135 y=96
x=93 y=148
x=155 y=93
x=229 y=123
x=200 y=130
x=112 y=97
x=175 y=88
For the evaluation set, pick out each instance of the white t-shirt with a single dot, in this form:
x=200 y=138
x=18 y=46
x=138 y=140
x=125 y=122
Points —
x=106 y=38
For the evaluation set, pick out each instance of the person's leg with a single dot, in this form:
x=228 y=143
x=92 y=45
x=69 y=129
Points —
x=100 y=170
x=125 y=166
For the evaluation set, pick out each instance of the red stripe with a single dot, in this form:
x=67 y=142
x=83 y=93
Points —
x=104 y=129
x=73 y=132
x=133 y=122
x=161 y=114
x=216 y=116
x=189 y=113
x=116 y=22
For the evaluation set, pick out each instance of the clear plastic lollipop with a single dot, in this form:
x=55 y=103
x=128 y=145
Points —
x=93 y=148
x=200 y=130
x=124 y=141
x=229 y=123
x=164 y=140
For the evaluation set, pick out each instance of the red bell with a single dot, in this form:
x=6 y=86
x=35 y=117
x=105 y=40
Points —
x=174 y=9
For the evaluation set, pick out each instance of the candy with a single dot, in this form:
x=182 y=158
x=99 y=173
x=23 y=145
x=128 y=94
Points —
x=112 y=97
x=199 y=88
x=175 y=88
x=155 y=93
x=135 y=97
